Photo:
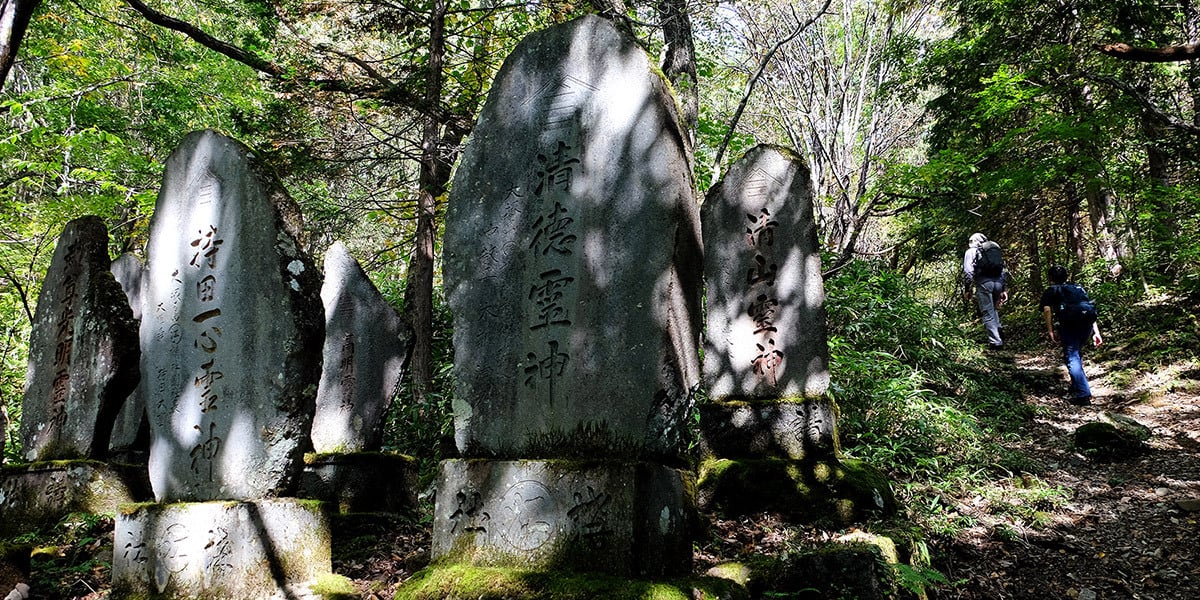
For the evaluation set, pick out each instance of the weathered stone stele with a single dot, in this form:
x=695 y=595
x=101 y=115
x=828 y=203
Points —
x=266 y=549
x=129 y=434
x=231 y=330
x=572 y=256
x=366 y=351
x=765 y=299
x=769 y=429
x=83 y=352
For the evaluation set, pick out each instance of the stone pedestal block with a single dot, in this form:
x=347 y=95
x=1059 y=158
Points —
x=361 y=482
x=804 y=430
x=625 y=518
x=843 y=491
x=39 y=493
x=261 y=549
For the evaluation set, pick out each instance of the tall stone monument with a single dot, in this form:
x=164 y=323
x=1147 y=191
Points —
x=83 y=362
x=572 y=264
x=83 y=352
x=231 y=335
x=769 y=416
x=367 y=347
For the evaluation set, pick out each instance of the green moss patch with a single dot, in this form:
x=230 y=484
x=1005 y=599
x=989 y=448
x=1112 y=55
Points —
x=845 y=490
x=461 y=582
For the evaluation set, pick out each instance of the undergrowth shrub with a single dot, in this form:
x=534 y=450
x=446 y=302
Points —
x=917 y=395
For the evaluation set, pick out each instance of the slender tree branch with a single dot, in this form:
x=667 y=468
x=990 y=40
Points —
x=383 y=90
x=762 y=67
x=1147 y=104
x=1123 y=51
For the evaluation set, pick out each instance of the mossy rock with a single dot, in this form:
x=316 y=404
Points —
x=1108 y=441
x=842 y=491
x=860 y=565
x=461 y=582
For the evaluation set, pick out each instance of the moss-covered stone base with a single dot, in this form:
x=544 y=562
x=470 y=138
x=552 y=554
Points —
x=460 y=582
x=264 y=549
x=619 y=517
x=862 y=566
x=41 y=493
x=840 y=490
x=361 y=481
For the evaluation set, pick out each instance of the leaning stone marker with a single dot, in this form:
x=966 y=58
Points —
x=770 y=427
x=231 y=331
x=572 y=266
x=83 y=352
x=130 y=440
x=366 y=350
x=232 y=328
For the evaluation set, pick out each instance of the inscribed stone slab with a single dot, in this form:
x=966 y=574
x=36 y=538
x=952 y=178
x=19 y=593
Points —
x=765 y=298
x=610 y=516
x=805 y=430
x=572 y=256
x=128 y=437
x=83 y=352
x=366 y=351
x=36 y=494
x=268 y=549
x=232 y=328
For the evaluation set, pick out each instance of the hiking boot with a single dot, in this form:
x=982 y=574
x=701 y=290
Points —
x=1080 y=401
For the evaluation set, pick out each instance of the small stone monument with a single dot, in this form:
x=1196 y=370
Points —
x=231 y=334
x=572 y=265
x=766 y=356
x=83 y=357
x=83 y=352
x=130 y=441
x=366 y=352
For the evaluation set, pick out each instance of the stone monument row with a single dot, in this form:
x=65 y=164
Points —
x=231 y=336
x=766 y=356
x=572 y=265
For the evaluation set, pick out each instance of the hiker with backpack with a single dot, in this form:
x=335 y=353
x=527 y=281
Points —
x=1070 y=306
x=983 y=269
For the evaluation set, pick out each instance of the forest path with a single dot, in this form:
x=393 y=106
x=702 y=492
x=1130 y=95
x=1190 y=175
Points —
x=1128 y=528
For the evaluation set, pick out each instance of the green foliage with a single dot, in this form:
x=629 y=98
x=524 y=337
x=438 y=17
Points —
x=919 y=399
x=425 y=430
x=72 y=557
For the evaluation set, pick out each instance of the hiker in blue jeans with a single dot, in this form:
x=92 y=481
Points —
x=1072 y=333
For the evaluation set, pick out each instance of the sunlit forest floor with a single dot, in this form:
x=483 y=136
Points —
x=1115 y=528
x=1125 y=530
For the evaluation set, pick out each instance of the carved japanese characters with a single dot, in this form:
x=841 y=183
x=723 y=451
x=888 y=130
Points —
x=83 y=353
x=572 y=257
x=366 y=348
x=765 y=313
x=232 y=328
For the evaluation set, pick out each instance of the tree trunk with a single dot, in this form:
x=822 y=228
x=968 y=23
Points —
x=1033 y=249
x=434 y=174
x=1075 y=226
x=14 y=19
x=679 y=62
x=1100 y=210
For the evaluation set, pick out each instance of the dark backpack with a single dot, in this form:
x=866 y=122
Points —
x=989 y=260
x=1075 y=309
